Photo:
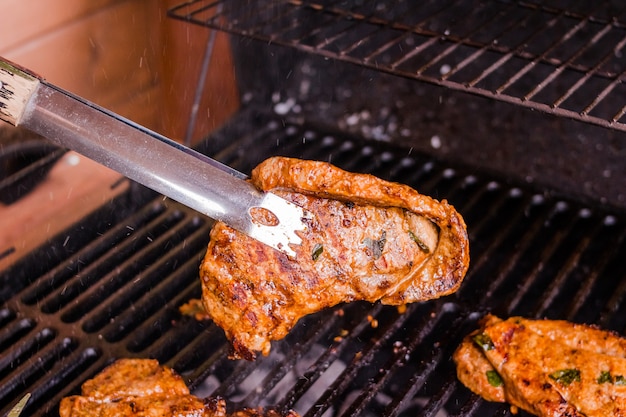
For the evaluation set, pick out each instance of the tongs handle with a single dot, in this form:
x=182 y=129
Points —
x=153 y=160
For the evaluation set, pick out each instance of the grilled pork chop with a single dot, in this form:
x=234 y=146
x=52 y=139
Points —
x=370 y=240
x=546 y=367
x=138 y=387
x=143 y=388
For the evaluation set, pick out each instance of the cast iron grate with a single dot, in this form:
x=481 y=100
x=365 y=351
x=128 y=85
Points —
x=562 y=58
x=23 y=164
x=111 y=288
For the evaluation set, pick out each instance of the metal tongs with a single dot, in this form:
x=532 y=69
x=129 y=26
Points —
x=155 y=161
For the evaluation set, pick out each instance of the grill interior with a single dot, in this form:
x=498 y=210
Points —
x=493 y=49
x=110 y=287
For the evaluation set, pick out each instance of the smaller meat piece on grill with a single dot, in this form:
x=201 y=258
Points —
x=138 y=387
x=369 y=239
x=546 y=367
x=143 y=388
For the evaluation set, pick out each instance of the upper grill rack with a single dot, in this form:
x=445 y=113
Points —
x=559 y=57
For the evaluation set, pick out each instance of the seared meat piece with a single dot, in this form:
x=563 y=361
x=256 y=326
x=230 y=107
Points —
x=476 y=372
x=134 y=378
x=143 y=388
x=138 y=387
x=548 y=368
x=370 y=240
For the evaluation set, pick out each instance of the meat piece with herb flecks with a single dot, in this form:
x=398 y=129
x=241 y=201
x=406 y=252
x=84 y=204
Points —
x=546 y=367
x=369 y=239
x=143 y=388
x=138 y=388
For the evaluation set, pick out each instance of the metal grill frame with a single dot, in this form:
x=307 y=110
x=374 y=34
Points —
x=576 y=74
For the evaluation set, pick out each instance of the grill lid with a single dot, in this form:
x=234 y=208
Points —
x=110 y=287
x=562 y=58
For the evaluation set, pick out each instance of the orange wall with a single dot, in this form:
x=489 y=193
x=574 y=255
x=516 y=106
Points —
x=125 y=55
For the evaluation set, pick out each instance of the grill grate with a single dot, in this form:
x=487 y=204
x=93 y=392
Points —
x=23 y=164
x=562 y=58
x=111 y=288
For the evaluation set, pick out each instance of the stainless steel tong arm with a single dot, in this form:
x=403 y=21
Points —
x=155 y=161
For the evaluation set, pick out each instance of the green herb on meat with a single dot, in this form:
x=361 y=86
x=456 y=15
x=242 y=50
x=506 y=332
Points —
x=317 y=251
x=605 y=376
x=377 y=246
x=419 y=242
x=484 y=341
x=620 y=380
x=566 y=376
x=494 y=378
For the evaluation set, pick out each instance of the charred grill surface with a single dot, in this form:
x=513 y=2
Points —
x=111 y=286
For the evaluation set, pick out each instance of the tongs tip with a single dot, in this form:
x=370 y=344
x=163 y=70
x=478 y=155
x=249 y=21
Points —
x=285 y=220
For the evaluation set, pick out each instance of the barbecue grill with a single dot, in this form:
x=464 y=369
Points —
x=533 y=158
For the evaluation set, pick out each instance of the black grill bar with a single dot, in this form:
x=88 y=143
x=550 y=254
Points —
x=478 y=46
x=449 y=50
x=514 y=24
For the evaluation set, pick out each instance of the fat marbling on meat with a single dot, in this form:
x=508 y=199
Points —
x=370 y=239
